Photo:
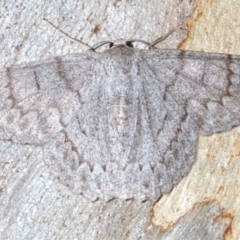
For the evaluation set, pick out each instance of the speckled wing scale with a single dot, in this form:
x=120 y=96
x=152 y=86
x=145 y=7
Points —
x=123 y=123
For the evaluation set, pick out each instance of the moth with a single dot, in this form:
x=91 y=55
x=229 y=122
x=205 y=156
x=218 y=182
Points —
x=122 y=123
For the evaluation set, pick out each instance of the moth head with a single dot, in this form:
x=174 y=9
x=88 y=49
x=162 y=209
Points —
x=119 y=55
x=121 y=43
x=133 y=43
x=112 y=44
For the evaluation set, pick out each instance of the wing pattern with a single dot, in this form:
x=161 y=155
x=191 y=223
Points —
x=123 y=123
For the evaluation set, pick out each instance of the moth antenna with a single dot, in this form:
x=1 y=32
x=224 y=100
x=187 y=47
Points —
x=160 y=39
x=68 y=36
